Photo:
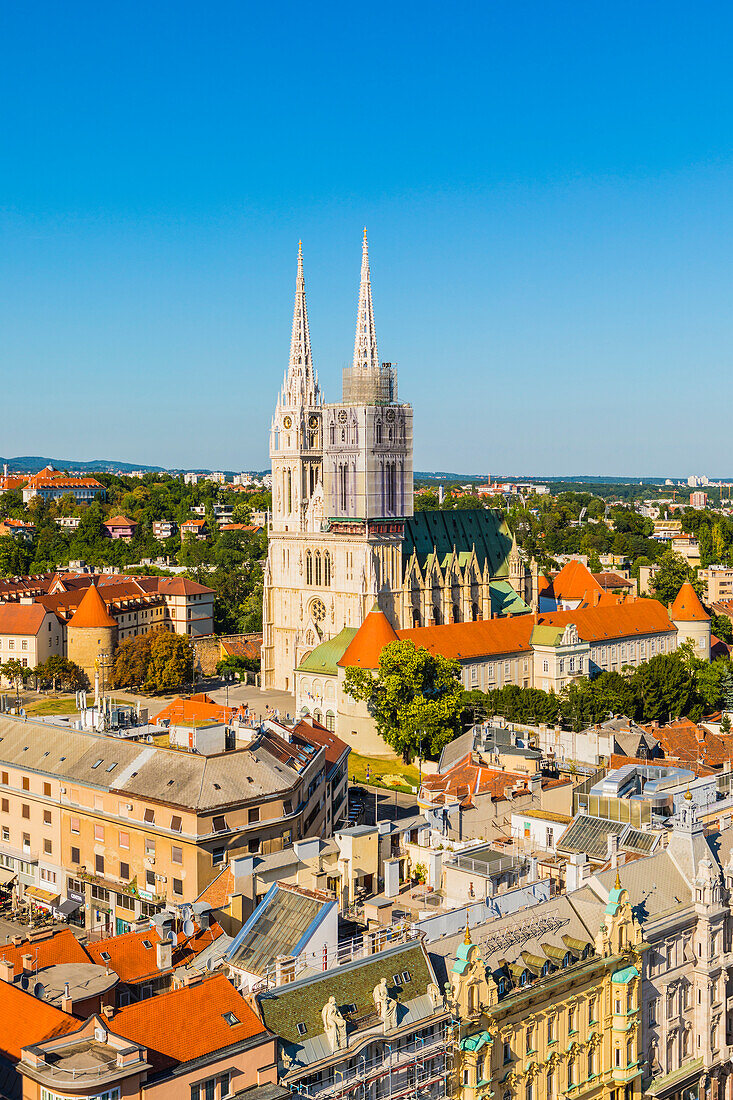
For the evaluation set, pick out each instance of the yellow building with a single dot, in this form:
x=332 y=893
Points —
x=546 y=1012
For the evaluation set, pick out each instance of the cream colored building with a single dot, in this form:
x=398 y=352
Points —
x=30 y=634
x=718 y=580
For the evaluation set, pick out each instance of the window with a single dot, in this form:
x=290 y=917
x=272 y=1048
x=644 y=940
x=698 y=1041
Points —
x=74 y=825
x=253 y=846
x=176 y=824
x=99 y=893
x=571 y=1072
x=545 y=666
x=46 y=817
x=253 y=815
x=5 y=779
x=149 y=847
x=302 y=1029
x=529 y=1040
x=5 y=804
x=591 y=1010
x=6 y=833
x=149 y=816
x=124 y=901
x=217 y=856
x=26 y=783
x=47 y=847
x=124 y=839
x=47 y=790
x=507 y=1053
x=150 y=878
x=125 y=871
x=219 y=824
x=99 y=832
x=176 y=854
x=177 y=886
x=550 y=1084
x=75 y=856
x=571 y=1019
x=99 y=864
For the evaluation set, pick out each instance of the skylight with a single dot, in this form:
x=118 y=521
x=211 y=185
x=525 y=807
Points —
x=96 y=763
x=147 y=945
x=230 y=1018
x=302 y=1029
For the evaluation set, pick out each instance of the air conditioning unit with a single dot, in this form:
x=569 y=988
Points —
x=161 y=878
x=62 y=790
x=130 y=807
x=150 y=861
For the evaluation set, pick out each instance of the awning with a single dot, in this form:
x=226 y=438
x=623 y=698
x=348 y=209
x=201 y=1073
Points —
x=67 y=907
x=7 y=876
x=41 y=897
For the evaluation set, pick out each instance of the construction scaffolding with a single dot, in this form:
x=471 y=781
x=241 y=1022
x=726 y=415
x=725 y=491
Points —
x=519 y=932
x=370 y=386
x=421 y=1066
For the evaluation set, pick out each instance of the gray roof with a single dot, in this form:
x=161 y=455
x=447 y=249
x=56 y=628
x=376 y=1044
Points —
x=279 y=924
x=455 y=750
x=589 y=834
x=188 y=780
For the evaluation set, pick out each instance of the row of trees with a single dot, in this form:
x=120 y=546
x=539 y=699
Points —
x=56 y=671
x=419 y=705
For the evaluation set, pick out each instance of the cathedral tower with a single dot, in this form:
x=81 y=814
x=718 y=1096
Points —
x=341 y=489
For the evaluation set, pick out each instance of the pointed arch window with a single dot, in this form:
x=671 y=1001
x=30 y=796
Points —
x=308 y=567
x=319 y=572
x=327 y=569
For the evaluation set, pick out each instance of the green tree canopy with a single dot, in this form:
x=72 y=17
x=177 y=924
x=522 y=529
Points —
x=415 y=697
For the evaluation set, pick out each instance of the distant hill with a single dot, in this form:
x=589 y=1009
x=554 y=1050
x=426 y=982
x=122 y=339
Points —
x=33 y=463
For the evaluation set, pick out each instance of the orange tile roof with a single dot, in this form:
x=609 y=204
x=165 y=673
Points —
x=318 y=735
x=62 y=947
x=21 y=618
x=219 y=891
x=92 y=611
x=465 y=640
x=624 y=619
x=198 y=708
x=251 y=646
x=133 y=962
x=685 y=741
x=573 y=581
x=189 y=1022
x=370 y=639
x=687 y=607
x=465 y=780
x=120 y=521
x=25 y=1020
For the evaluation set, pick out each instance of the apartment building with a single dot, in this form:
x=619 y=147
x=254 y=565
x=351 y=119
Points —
x=117 y=829
x=718 y=581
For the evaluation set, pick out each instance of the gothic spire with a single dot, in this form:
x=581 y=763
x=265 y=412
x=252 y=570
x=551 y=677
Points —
x=301 y=384
x=366 y=356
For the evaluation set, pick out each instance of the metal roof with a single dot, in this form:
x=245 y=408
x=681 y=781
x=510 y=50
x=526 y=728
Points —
x=282 y=922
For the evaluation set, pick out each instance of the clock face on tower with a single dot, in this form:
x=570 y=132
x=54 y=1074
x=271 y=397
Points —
x=287 y=422
x=342 y=416
x=313 y=422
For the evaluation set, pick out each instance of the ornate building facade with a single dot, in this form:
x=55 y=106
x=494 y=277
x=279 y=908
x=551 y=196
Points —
x=343 y=533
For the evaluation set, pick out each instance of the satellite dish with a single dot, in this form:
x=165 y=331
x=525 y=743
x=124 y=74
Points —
x=212 y=963
x=39 y=990
x=25 y=982
x=172 y=935
x=189 y=928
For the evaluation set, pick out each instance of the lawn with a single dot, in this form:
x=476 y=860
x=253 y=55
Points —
x=63 y=705
x=392 y=774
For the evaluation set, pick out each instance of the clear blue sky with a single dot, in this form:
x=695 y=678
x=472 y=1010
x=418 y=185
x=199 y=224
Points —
x=548 y=190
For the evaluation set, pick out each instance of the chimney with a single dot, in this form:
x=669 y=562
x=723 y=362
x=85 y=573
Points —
x=612 y=840
x=67 y=1004
x=164 y=954
x=108 y=1011
x=7 y=970
x=27 y=961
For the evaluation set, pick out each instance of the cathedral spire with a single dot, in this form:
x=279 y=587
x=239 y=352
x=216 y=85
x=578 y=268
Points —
x=366 y=356
x=301 y=384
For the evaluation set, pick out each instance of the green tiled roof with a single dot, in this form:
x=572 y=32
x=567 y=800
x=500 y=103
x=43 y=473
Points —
x=463 y=528
x=621 y=977
x=505 y=601
x=547 y=634
x=302 y=1002
x=325 y=656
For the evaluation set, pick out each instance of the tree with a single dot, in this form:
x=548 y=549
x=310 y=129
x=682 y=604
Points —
x=725 y=723
x=671 y=573
x=60 y=670
x=132 y=661
x=666 y=688
x=171 y=661
x=415 y=697
x=722 y=628
x=13 y=671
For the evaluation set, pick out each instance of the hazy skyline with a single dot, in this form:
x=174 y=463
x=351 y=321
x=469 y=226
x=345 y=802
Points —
x=547 y=192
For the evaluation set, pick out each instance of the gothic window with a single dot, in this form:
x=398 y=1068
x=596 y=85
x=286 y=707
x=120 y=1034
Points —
x=290 y=491
x=474 y=612
x=377 y=433
x=319 y=574
x=333 y=433
x=308 y=567
x=327 y=569
x=456 y=613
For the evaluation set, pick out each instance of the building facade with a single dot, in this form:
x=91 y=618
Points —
x=342 y=532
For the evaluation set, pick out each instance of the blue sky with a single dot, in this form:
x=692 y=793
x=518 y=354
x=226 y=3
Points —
x=548 y=191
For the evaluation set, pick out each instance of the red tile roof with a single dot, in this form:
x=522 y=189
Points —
x=21 y=618
x=317 y=734
x=219 y=891
x=25 y=1020
x=250 y=646
x=466 y=640
x=465 y=780
x=197 y=708
x=372 y=636
x=573 y=581
x=92 y=611
x=133 y=962
x=687 y=607
x=62 y=947
x=189 y=1022
x=687 y=742
x=120 y=521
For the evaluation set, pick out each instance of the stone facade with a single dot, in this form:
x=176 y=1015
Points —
x=342 y=532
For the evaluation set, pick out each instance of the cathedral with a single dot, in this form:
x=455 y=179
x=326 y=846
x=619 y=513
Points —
x=343 y=534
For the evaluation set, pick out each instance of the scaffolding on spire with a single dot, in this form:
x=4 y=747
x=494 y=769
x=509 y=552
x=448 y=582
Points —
x=368 y=382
